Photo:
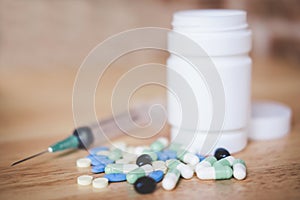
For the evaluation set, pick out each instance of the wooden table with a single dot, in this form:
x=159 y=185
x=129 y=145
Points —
x=35 y=111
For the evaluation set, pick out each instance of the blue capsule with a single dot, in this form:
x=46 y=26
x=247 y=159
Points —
x=98 y=169
x=157 y=175
x=162 y=156
x=94 y=151
x=171 y=154
x=117 y=177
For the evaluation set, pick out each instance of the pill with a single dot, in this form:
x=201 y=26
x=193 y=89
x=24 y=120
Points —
x=185 y=171
x=171 y=178
x=95 y=150
x=117 y=177
x=159 y=165
x=227 y=161
x=162 y=156
x=187 y=157
x=133 y=175
x=159 y=144
x=119 y=168
x=129 y=156
x=216 y=172
x=100 y=183
x=95 y=157
x=144 y=159
x=83 y=162
x=145 y=185
x=239 y=169
x=157 y=175
x=151 y=153
x=170 y=153
x=221 y=153
x=98 y=169
x=207 y=162
x=84 y=180
x=115 y=154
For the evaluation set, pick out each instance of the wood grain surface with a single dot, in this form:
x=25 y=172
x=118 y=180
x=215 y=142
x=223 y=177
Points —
x=35 y=111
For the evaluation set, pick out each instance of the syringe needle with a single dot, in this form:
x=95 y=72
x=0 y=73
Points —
x=30 y=157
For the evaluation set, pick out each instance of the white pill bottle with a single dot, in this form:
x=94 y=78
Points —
x=223 y=59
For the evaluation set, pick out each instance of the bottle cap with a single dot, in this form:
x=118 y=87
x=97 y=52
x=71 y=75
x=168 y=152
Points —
x=270 y=120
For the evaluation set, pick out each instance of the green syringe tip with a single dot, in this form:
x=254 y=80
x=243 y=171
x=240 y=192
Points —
x=70 y=142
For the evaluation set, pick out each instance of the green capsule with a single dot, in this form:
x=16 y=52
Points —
x=119 y=168
x=172 y=163
x=227 y=161
x=115 y=154
x=239 y=161
x=159 y=144
x=216 y=172
x=133 y=175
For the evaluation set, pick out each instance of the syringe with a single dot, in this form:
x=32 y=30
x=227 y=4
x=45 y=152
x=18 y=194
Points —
x=95 y=134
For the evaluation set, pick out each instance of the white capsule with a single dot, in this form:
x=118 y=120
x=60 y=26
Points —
x=83 y=162
x=122 y=161
x=207 y=162
x=188 y=157
x=227 y=161
x=216 y=172
x=159 y=165
x=100 y=183
x=185 y=171
x=171 y=178
x=84 y=180
x=239 y=169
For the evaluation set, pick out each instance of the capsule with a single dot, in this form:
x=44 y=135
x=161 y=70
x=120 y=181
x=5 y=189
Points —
x=217 y=172
x=159 y=144
x=159 y=165
x=185 y=171
x=133 y=175
x=207 y=162
x=119 y=168
x=171 y=178
x=187 y=157
x=239 y=169
x=227 y=161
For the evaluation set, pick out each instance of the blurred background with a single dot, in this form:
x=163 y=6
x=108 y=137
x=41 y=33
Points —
x=43 y=43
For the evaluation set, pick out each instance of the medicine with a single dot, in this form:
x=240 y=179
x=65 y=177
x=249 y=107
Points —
x=103 y=153
x=84 y=180
x=98 y=169
x=119 y=168
x=171 y=178
x=83 y=162
x=144 y=159
x=115 y=154
x=171 y=154
x=145 y=185
x=157 y=175
x=187 y=157
x=221 y=153
x=159 y=144
x=159 y=165
x=133 y=175
x=185 y=171
x=217 y=172
x=162 y=156
x=117 y=177
x=239 y=169
x=227 y=161
x=100 y=183
x=207 y=162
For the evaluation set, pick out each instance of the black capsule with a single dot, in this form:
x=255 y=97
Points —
x=221 y=153
x=145 y=185
x=144 y=159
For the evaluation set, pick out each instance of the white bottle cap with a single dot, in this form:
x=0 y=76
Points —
x=270 y=120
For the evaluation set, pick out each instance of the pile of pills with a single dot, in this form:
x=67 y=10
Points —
x=145 y=166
